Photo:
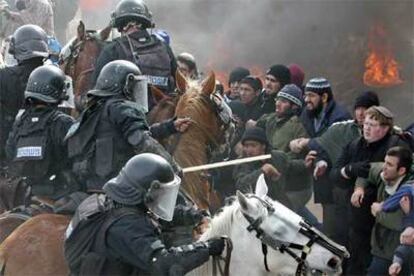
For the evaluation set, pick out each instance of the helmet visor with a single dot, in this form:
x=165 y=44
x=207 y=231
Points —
x=163 y=197
x=137 y=87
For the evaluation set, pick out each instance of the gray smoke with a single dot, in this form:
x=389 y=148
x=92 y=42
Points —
x=327 y=38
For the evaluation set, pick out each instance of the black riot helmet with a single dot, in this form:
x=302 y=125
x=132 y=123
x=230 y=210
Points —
x=47 y=84
x=122 y=77
x=29 y=41
x=131 y=10
x=146 y=179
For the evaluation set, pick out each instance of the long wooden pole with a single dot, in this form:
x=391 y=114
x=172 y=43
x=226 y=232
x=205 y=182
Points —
x=226 y=163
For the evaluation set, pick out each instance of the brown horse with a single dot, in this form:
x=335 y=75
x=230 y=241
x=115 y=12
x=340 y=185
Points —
x=192 y=146
x=35 y=247
x=10 y=220
x=78 y=59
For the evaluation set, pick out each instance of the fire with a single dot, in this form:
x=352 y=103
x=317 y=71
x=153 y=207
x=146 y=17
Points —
x=381 y=68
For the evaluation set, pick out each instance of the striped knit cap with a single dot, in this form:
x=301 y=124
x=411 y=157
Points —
x=292 y=93
x=319 y=86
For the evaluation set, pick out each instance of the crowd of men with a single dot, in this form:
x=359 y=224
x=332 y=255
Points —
x=357 y=165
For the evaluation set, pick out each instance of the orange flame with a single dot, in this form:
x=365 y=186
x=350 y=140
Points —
x=381 y=69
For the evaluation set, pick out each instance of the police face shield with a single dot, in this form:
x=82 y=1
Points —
x=161 y=198
x=137 y=90
x=68 y=96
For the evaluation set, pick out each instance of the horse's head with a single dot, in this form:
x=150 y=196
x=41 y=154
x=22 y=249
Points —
x=281 y=229
x=210 y=118
x=207 y=108
x=78 y=57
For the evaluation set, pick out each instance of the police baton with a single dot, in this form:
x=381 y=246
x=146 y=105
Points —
x=227 y=163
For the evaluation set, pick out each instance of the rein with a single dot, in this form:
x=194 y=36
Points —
x=217 y=267
x=306 y=230
x=70 y=66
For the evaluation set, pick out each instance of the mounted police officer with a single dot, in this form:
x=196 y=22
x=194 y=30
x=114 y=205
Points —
x=118 y=233
x=113 y=127
x=36 y=147
x=29 y=47
x=152 y=55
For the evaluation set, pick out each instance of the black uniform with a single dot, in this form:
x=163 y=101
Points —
x=107 y=134
x=154 y=58
x=106 y=238
x=13 y=82
x=36 y=150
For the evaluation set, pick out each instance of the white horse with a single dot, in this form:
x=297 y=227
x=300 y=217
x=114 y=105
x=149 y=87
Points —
x=254 y=220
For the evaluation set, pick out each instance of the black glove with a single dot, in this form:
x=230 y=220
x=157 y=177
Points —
x=215 y=246
x=358 y=169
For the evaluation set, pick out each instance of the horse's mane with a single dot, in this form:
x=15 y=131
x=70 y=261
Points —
x=222 y=222
x=195 y=103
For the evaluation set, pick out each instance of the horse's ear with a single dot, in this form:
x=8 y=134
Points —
x=104 y=33
x=181 y=82
x=209 y=84
x=81 y=30
x=261 y=187
x=245 y=205
x=157 y=94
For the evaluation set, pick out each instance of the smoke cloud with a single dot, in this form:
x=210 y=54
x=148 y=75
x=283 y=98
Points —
x=326 y=38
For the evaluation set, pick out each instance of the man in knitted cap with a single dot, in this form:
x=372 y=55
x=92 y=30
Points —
x=321 y=109
x=254 y=143
x=236 y=75
x=277 y=76
x=282 y=126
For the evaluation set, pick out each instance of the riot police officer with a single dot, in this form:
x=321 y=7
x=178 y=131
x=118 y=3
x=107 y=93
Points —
x=118 y=233
x=29 y=47
x=113 y=127
x=36 y=146
x=152 y=55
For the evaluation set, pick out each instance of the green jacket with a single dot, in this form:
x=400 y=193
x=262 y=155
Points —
x=279 y=132
x=336 y=138
x=385 y=236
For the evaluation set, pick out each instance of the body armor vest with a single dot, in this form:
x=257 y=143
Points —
x=152 y=58
x=86 y=234
x=34 y=153
x=97 y=148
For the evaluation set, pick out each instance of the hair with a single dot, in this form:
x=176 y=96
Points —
x=373 y=113
x=404 y=155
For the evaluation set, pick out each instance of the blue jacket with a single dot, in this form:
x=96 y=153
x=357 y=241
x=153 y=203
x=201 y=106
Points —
x=334 y=113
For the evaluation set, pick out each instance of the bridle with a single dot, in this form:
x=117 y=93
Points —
x=70 y=58
x=214 y=140
x=315 y=237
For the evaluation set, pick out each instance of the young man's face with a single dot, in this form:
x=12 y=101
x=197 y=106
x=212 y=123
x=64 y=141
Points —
x=373 y=130
x=282 y=106
x=253 y=148
x=390 y=170
x=247 y=93
x=359 y=115
x=271 y=85
x=313 y=100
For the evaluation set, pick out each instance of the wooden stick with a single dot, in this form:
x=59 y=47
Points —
x=227 y=163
